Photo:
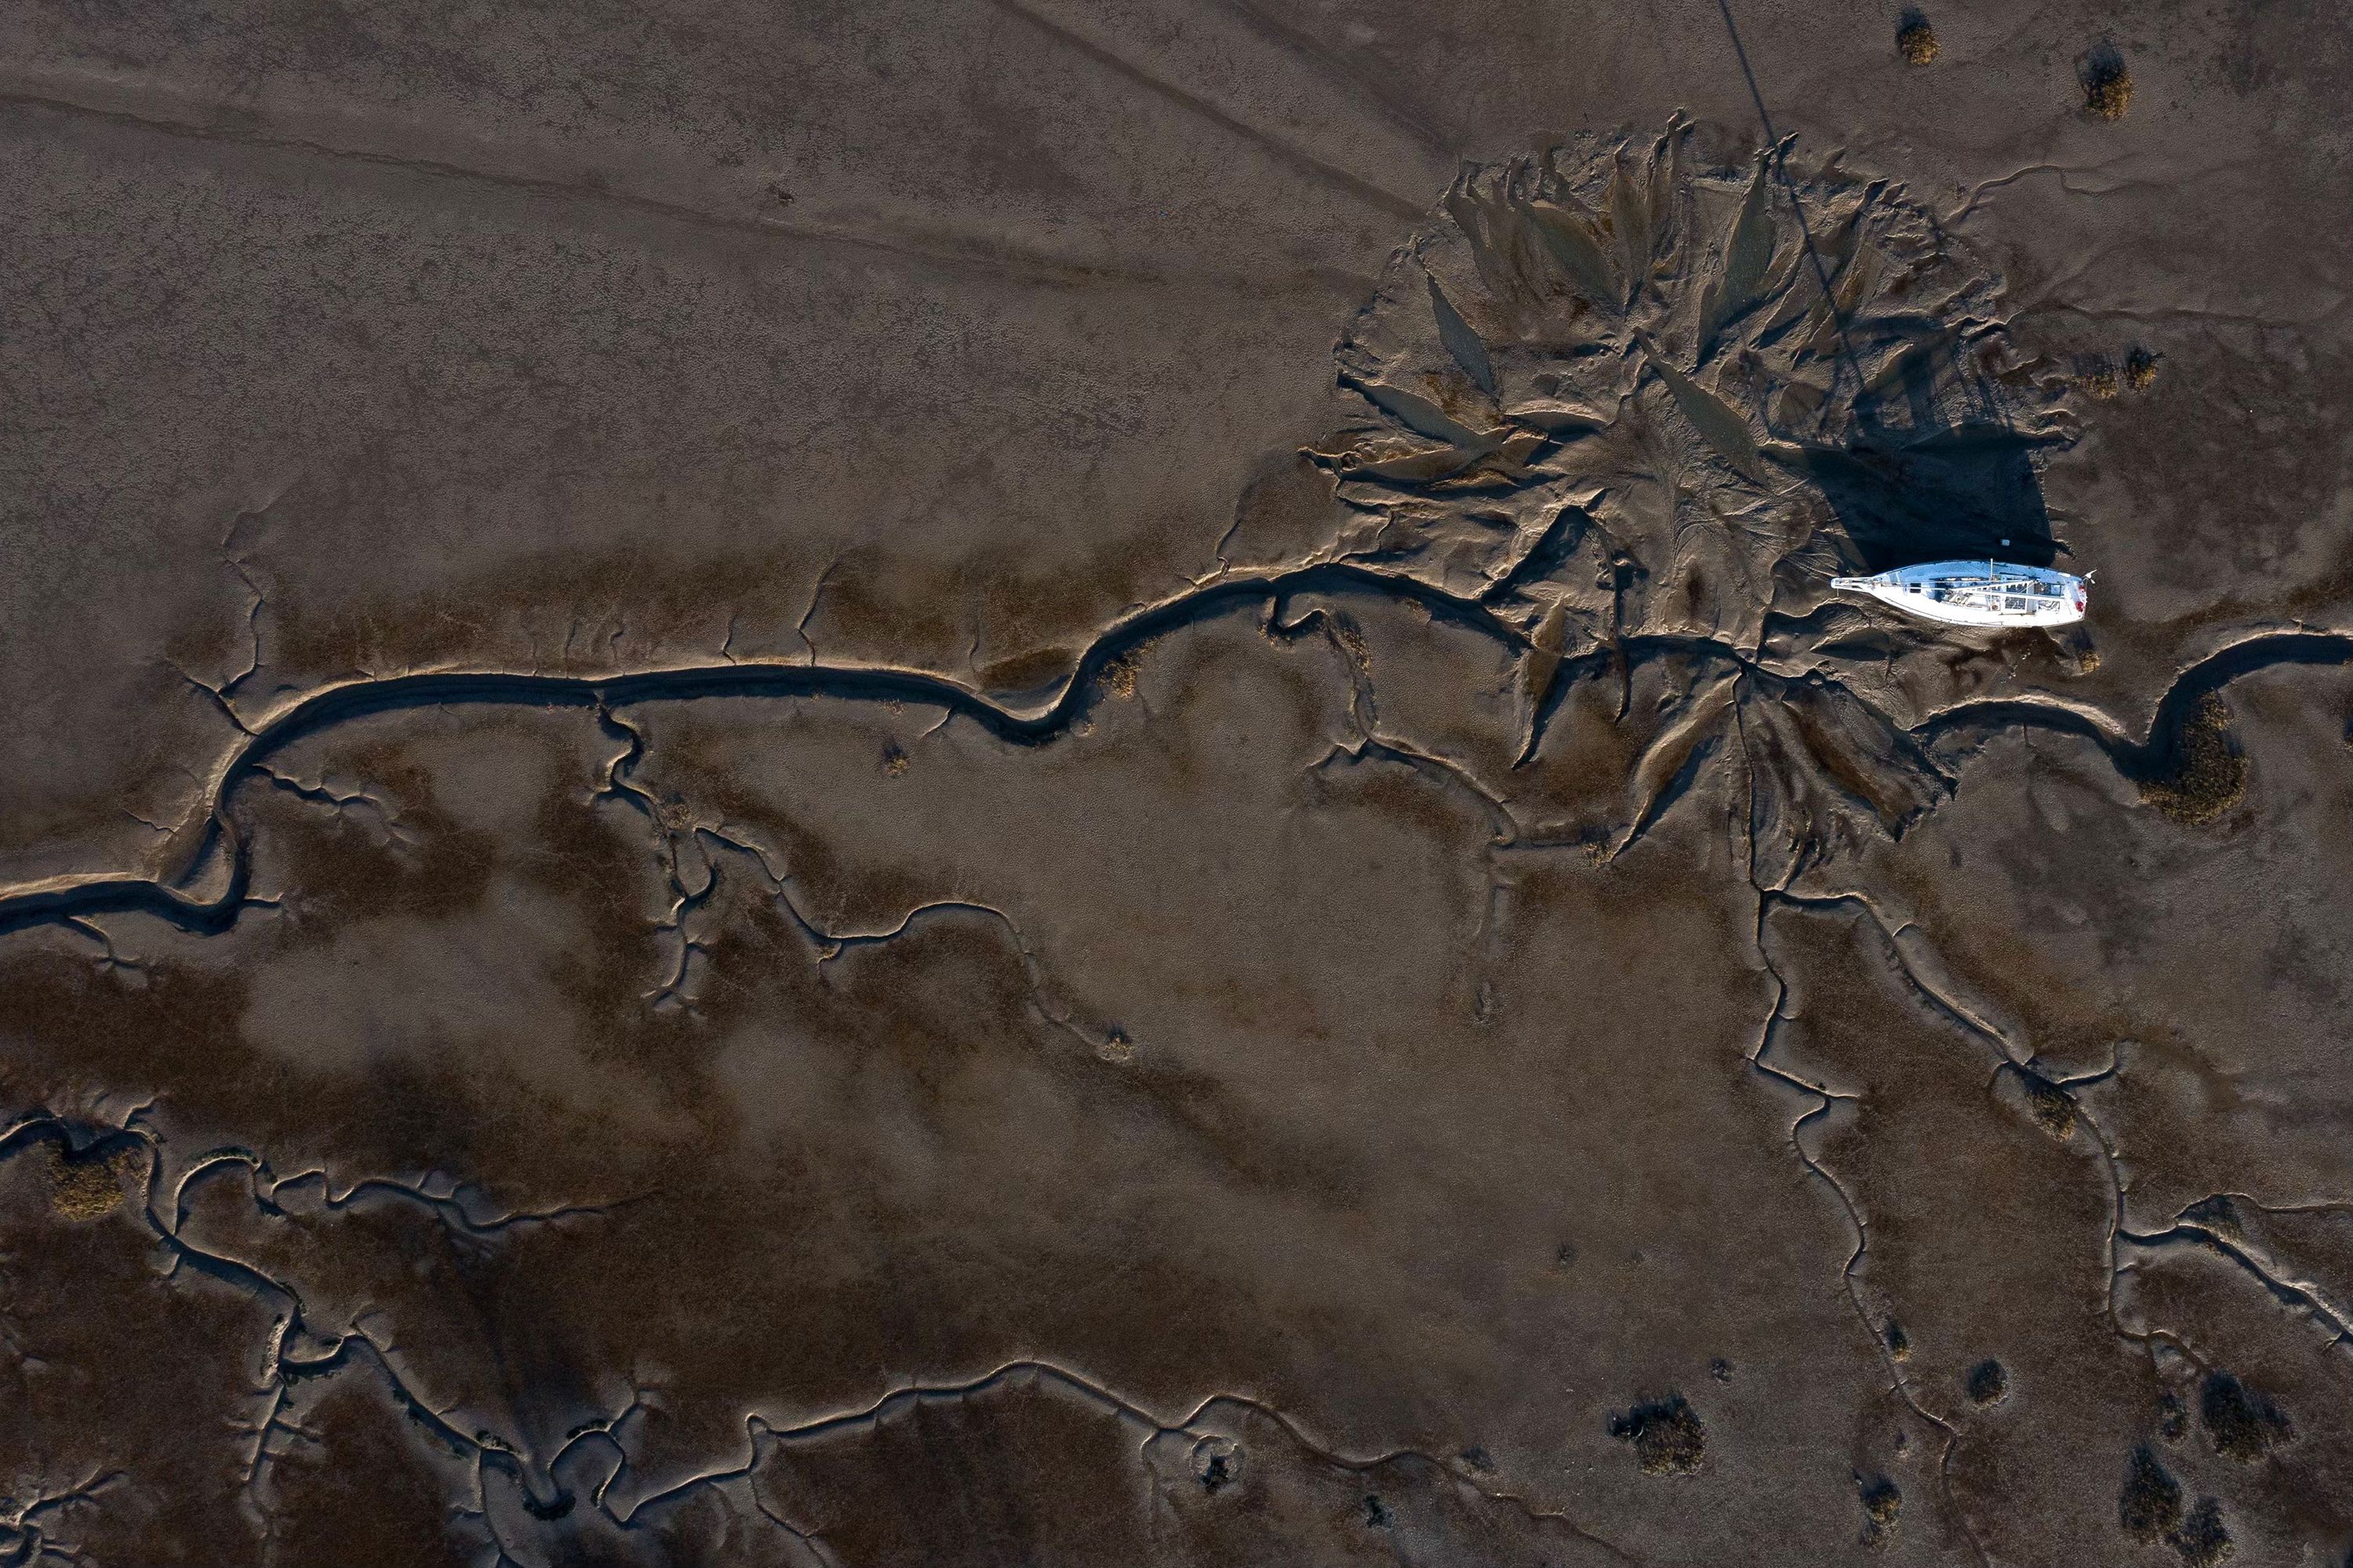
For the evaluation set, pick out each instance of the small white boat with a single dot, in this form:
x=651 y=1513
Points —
x=1978 y=593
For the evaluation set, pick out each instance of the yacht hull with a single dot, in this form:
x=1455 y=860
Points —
x=1978 y=593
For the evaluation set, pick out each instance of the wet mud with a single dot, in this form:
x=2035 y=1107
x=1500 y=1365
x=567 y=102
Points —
x=1016 y=785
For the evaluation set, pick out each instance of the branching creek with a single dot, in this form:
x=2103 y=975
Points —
x=295 y=1354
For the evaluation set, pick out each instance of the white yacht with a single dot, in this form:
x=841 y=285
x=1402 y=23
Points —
x=1978 y=593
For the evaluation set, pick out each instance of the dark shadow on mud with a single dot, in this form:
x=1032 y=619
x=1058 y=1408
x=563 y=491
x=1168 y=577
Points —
x=1951 y=494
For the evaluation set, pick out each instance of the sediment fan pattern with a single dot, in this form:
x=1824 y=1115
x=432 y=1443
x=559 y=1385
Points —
x=1627 y=398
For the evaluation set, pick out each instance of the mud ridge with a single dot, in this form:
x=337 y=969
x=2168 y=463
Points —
x=2304 y=1299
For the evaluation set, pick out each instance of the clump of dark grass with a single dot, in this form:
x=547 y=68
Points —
x=1883 y=1505
x=88 y=1185
x=2202 y=1540
x=2209 y=774
x=2244 y=1424
x=2150 y=1504
x=2052 y=1107
x=1916 y=40
x=2108 y=83
x=1668 y=1436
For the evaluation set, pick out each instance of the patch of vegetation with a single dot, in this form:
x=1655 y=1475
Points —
x=2053 y=1108
x=2202 y=1540
x=1899 y=1344
x=2218 y=1214
x=1376 y=1514
x=2173 y=1419
x=2243 y=1423
x=1986 y=1383
x=2108 y=84
x=2210 y=775
x=2104 y=378
x=1883 y=1504
x=1216 y=1463
x=1119 y=676
x=895 y=762
x=1916 y=40
x=1668 y=1436
x=88 y=1186
x=2150 y=1505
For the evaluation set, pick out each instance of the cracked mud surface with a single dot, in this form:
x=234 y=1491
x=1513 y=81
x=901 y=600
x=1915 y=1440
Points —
x=1042 y=784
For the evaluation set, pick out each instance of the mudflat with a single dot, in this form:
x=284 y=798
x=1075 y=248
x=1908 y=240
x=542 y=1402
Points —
x=1030 y=783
